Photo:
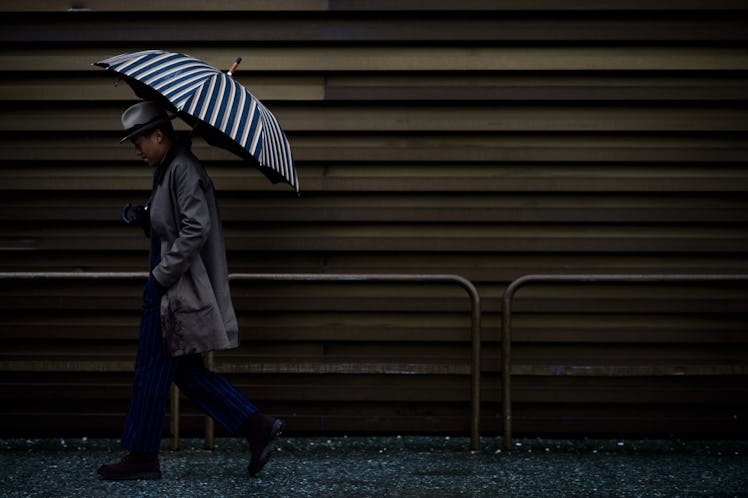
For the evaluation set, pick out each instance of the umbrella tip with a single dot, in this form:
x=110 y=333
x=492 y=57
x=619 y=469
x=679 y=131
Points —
x=234 y=66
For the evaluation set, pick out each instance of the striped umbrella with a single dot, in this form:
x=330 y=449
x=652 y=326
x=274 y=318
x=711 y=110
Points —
x=222 y=110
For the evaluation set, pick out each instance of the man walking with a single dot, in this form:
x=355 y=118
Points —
x=187 y=308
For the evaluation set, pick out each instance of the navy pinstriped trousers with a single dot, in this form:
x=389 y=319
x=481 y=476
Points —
x=154 y=372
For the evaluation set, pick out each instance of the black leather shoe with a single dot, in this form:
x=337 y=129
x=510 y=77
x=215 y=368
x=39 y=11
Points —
x=262 y=432
x=132 y=466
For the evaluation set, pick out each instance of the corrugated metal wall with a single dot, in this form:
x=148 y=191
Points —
x=489 y=139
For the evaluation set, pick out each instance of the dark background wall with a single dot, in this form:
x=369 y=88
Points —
x=485 y=139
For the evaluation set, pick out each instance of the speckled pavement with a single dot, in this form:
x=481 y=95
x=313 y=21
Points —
x=407 y=466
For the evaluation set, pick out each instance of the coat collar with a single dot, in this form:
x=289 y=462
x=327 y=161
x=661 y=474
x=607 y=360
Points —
x=176 y=148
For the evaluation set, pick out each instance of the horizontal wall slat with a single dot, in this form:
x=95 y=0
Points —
x=169 y=5
x=441 y=119
x=437 y=58
x=431 y=238
x=472 y=208
x=468 y=148
x=359 y=5
x=481 y=28
x=402 y=177
x=367 y=87
x=492 y=270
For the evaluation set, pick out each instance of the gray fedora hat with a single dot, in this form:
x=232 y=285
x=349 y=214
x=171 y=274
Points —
x=142 y=117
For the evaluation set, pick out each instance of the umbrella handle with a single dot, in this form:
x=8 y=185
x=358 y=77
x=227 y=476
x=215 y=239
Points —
x=129 y=220
x=234 y=66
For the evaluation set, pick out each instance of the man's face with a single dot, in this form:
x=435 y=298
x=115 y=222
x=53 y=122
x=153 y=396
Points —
x=148 y=148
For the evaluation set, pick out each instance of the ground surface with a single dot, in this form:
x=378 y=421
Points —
x=388 y=467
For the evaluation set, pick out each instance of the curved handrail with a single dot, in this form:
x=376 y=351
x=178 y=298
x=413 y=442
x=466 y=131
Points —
x=328 y=277
x=506 y=318
x=466 y=284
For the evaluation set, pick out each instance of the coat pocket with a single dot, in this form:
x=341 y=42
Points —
x=190 y=318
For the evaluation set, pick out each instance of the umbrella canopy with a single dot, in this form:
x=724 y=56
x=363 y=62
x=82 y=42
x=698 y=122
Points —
x=222 y=110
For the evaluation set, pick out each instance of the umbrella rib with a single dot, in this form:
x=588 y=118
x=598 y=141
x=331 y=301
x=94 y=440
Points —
x=228 y=108
x=123 y=63
x=160 y=71
x=241 y=118
x=256 y=125
x=234 y=110
x=204 y=97
x=269 y=153
x=216 y=97
x=184 y=95
x=143 y=65
x=119 y=59
x=178 y=78
x=275 y=143
x=190 y=94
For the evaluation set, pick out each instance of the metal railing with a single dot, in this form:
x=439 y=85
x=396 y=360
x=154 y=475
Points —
x=307 y=277
x=507 y=299
x=506 y=318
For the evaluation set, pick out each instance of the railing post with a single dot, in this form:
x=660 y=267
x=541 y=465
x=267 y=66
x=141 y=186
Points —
x=210 y=425
x=174 y=417
x=506 y=360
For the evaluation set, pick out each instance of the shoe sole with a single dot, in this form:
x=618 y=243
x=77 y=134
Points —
x=276 y=431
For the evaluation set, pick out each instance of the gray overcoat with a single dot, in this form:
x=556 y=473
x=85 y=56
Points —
x=196 y=311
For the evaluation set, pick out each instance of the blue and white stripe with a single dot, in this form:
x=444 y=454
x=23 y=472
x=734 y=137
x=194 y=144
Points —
x=203 y=92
